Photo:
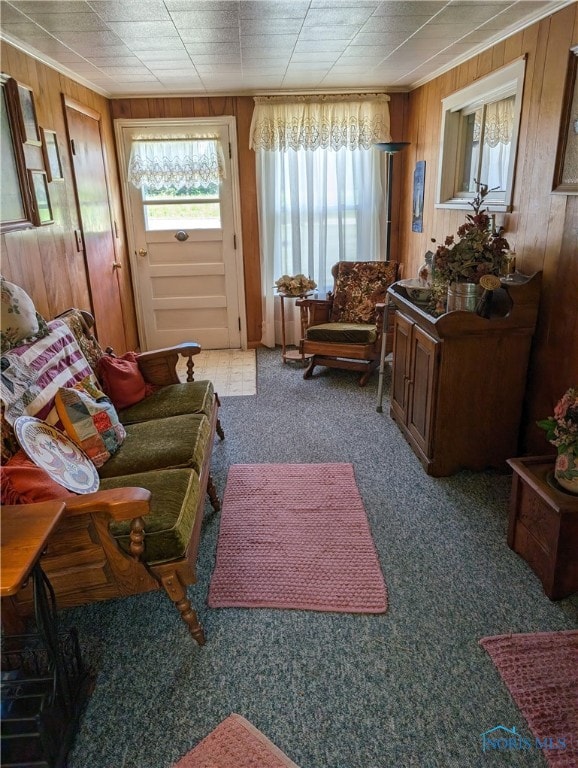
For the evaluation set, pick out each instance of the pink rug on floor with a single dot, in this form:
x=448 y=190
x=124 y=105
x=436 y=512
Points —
x=235 y=743
x=296 y=536
x=541 y=673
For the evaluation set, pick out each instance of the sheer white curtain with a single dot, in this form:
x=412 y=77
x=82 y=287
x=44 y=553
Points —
x=320 y=194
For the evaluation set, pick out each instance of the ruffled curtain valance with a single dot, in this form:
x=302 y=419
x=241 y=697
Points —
x=160 y=163
x=499 y=123
x=308 y=122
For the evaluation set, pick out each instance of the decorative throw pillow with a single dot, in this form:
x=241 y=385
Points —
x=20 y=320
x=25 y=483
x=90 y=420
x=122 y=380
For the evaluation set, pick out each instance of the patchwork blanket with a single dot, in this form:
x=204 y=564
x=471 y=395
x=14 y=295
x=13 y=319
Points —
x=32 y=373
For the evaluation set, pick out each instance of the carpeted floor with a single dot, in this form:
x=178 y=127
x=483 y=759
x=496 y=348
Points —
x=408 y=688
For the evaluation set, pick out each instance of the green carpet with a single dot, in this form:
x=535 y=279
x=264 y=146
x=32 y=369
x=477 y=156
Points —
x=411 y=687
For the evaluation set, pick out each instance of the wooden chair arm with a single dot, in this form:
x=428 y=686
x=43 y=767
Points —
x=314 y=311
x=118 y=503
x=159 y=366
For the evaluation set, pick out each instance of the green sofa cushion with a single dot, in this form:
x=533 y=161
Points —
x=169 y=524
x=177 y=441
x=342 y=333
x=172 y=400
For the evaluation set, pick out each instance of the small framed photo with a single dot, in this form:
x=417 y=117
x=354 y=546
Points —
x=28 y=125
x=41 y=199
x=566 y=170
x=51 y=155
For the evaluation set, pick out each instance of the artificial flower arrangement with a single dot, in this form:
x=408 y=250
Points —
x=295 y=286
x=479 y=251
x=562 y=431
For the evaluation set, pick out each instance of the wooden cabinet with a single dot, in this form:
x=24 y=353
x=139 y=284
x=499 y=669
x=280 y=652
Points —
x=458 y=380
x=543 y=526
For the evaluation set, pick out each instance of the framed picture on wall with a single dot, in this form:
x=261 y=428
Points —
x=418 y=192
x=566 y=170
x=29 y=130
x=16 y=208
x=41 y=198
x=51 y=155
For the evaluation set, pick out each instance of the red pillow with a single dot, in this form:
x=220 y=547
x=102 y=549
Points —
x=24 y=483
x=122 y=380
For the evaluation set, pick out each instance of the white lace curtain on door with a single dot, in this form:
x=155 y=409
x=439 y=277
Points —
x=164 y=163
x=319 y=188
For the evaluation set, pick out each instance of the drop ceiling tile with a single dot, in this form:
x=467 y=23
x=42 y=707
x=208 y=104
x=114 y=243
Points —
x=257 y=9
x=25 y=30
x=166 y=66
x=124 y=71
x=221 y=35
x=216 y=69
x=205 y=19
x=73 y=22
x=257 y=58
x=155 y=57
x=268 y=41
x=407 y=24
x=214 y=48
x=329 y=5
x=32 y=8
x=156 y=44
x=336 y=17
x=96 y=38
x=341 y=32
x=263 y=26
x=9 y=14
x=131 y=10
x=409 y=8
x=335 y=46
x=115 y=61
x=385 y=39
x=139 y=30
x=440 y=31
x=224 y=58
x=314 y=57
x=125 y=78
x=201 y=5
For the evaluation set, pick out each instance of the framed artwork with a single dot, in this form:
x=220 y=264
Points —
x=16 y=208
x=51 y=155
x=41 y=199
x=30 y=133
x=566 y=170
x=418 y=192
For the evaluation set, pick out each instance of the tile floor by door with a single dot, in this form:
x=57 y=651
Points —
x=232 y=371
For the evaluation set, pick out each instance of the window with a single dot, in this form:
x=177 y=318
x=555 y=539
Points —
x=479 y=139
x=179 y=179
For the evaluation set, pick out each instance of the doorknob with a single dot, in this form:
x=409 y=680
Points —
x=142 y=252
x=182 y=236
x=116 y=265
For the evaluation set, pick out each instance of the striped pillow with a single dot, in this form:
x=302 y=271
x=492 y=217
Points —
x=33 y=373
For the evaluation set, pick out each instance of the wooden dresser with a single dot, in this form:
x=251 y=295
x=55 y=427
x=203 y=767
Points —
x=543 y=527
x=458 y=379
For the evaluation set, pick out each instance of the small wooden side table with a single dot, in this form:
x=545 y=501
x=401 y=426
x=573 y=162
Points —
x=543 y=526
x=291 y=354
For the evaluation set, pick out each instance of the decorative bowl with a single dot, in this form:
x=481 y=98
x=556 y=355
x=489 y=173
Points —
x=416 y=290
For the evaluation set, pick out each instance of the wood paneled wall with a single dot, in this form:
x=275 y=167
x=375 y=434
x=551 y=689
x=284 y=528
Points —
x=45 y=260
x=543 y=226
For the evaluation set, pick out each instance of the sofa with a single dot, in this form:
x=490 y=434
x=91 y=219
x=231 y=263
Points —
x=141 y=529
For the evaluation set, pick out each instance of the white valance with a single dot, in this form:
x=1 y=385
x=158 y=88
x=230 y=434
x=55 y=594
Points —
x=162 y=162
x=308 y=122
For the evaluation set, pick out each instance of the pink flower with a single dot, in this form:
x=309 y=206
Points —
x=562 y=463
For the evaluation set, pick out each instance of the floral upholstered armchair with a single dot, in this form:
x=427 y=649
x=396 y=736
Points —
x=345 y=330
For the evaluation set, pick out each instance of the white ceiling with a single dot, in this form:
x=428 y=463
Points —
x=164 y=47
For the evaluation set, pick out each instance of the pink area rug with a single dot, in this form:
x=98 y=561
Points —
x=296 y=536
x=541 y=673
x=235 y=743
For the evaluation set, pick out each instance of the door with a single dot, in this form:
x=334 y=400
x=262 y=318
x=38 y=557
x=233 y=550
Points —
x=186 y=259
x=421 y=396
x=401 y=362
x=83 y=126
